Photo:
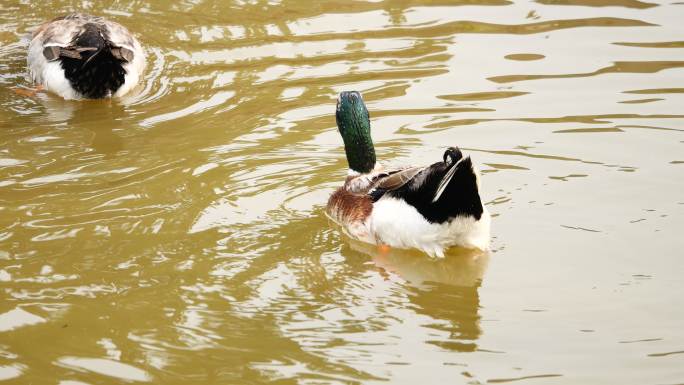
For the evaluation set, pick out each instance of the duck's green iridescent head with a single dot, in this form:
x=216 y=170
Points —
x=354 y=125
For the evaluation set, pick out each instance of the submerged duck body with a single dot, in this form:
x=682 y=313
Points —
x=83 y=56
x=430 y=208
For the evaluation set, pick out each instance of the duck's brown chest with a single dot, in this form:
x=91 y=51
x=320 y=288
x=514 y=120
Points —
x=346 y=207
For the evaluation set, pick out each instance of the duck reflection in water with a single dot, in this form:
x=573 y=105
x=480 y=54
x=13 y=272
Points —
x=442 y=289
x=99 y=119
x=109 y=116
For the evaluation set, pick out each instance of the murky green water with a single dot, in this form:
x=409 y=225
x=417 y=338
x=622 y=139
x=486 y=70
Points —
x=177 y=236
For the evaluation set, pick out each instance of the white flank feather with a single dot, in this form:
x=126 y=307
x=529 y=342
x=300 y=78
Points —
x=395 y=223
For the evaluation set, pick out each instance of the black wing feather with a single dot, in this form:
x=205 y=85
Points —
x=419 y=186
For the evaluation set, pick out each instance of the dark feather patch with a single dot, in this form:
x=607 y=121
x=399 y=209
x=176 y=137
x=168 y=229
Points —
x=377 y=193
x=101 y=77
x=460 y=197
x=90 y=64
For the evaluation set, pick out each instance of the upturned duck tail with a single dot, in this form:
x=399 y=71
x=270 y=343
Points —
x=457 y=190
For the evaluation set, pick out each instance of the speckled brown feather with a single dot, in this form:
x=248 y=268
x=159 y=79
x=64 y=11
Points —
x=347 y=207
x=353 y=203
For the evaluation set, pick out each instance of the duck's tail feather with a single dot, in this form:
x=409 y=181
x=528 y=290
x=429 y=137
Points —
x=452 y=158
x=444 y=183
x=454 y=192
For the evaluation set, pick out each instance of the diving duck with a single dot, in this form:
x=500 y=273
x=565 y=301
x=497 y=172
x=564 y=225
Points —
x=82 y=56
x=430 y=208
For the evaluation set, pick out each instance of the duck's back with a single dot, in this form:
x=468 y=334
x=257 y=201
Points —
x=61 y=47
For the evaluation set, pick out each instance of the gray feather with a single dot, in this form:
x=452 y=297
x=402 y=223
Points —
x=122 y=53
x=398 y=179
x=51 y=53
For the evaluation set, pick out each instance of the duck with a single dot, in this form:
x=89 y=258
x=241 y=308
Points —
x=81 y=56
x=430 y=208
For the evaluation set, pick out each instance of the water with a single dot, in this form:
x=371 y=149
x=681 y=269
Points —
x=177 y=236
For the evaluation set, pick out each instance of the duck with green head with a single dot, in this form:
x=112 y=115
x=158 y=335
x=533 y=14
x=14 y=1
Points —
x=430 y=208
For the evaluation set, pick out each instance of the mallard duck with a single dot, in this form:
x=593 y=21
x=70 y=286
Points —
x=83 y=56
x=430 y=208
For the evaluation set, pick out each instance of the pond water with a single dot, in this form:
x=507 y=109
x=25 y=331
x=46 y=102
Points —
x=178 y=235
